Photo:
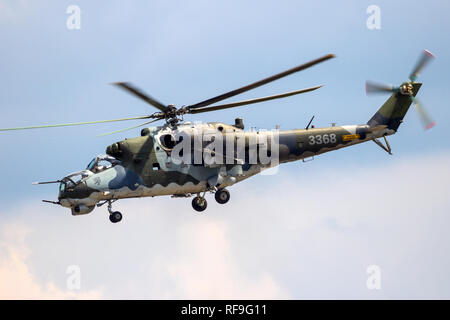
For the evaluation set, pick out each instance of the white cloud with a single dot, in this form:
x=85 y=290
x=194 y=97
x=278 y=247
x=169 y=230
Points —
x=16 y=278
x=305 y=234
x=12 y=10
x=207 y=267
x=198 y=263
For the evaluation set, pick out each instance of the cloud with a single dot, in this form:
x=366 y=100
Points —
x=207 y=267
x=328 y=225
x=307 y=232
x=199 y=263
x=16 y=278
x=12 y=10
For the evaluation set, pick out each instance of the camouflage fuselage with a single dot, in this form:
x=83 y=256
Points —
x=147 y=168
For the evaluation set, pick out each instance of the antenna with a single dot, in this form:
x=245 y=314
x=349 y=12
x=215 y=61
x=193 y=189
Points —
x=309 y=123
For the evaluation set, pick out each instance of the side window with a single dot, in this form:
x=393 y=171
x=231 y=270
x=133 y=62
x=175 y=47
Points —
x=104 y=164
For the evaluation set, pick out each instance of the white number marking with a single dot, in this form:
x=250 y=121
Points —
x=322 y=139
x=319 y=139
x=332 y=138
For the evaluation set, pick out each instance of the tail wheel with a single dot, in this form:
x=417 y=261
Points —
x=199 y=204
x=222 y=196
x=115 y=217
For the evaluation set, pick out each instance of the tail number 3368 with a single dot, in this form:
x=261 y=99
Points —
x=322 y=139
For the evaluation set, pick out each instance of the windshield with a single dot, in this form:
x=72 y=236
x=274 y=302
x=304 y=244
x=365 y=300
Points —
x=69 y=182
x=73 y=179
x=91 y=164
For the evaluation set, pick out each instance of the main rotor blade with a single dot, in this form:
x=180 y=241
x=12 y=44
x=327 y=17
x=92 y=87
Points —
x=426 y=57
x=251 y=101
x=126 y=129
x=374 y=87
x=141 y=95
x=73 y=124
x=427 y=122
x=260 y=82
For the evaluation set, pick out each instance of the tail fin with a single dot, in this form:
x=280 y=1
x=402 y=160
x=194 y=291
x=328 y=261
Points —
x=394 y=109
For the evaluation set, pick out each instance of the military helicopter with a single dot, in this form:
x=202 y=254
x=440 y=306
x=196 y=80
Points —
x=183 y=159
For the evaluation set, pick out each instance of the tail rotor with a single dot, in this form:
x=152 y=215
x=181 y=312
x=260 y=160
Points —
x=406 y=88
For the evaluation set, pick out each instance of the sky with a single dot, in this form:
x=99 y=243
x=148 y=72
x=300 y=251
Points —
x=309 y=231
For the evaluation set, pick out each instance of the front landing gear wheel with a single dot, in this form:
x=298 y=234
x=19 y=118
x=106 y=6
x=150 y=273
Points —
x=222 y=196
x=199 y=204
x=115 y=217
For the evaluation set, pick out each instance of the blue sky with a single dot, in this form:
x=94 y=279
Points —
x=183 y=52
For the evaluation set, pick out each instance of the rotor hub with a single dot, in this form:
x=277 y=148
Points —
x=406 y=89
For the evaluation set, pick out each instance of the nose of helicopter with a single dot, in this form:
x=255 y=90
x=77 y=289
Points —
x=71 y=191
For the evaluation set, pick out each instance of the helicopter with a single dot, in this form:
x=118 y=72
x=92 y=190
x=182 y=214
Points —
x=184 y=159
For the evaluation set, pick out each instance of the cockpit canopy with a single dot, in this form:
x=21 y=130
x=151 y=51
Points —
x=72 y=180
x=98 y=164
x=102 y=162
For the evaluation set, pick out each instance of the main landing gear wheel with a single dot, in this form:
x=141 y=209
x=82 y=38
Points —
x=115 y=217
x=222 y=196
x=199 y=204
